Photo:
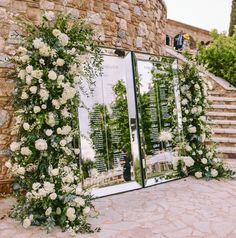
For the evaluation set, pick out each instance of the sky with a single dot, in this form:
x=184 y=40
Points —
x=206 y=14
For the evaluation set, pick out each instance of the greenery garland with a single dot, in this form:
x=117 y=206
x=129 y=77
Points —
x=54 y=61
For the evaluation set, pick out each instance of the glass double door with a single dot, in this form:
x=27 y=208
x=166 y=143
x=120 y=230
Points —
x=121 y=121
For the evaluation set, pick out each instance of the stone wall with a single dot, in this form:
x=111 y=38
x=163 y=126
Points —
x=130 y=24
x=173 y=28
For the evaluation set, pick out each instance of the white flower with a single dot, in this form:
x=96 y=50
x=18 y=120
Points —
x=51 y=120
x=56 y=32
x=45 y=50
x=22 y=74
x=60 y=79
x=198 y=174
x=165 y=136
x=78 y=190
x=214 y=173
x=65 y=113
x=86 y=210
x=37 y=74
x=24 y=58
x=21 y=170
x=26 y=126
x=77 y=151
x=15 y=146
x=56 y=103
x=29 y=69
x=33 y=89
x=73 y=69
x=188 y=161
x=44 y=94
x=24 y=95
x=55 y=172
x=70 y=213
x=36 y=186
x=184 y=102
x=28 y=79
x=49 y=15
x=36 y=109
x=66 y=130
x=68 y=93
x=22 y=50
x=48 y=211
x=204 y=161
x=63 y=142
x=44 y=106
x=53 y=196
x=41 y=144
x=79 y=201
x=52 y=75
x=192 y=129
x=38 y=43
x=60 y=62
x=188 y=148
x=48 y=132
x=58 y=211
x=26 y=223
x=41 y=61
x=49 y=187
x=63 y=39
x=8 y=164
x=25 y=151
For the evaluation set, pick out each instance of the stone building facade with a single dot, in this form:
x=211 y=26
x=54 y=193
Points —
x=129 y=24
x=196 y=34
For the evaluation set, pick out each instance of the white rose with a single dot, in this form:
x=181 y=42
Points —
x=204 y=161
x=56 y=32
x=65 y=113
x=24 y=95
x=44 y=94
x=52 y=75
x=24 y=58
x=26 y=126
x=66 y=130
x=25 y=151
x=192 y=129
x=48 y=132
x=48 y=211
x=22 y=74
x=49 y=15
x=49 y=187
x=200 y=152
x=55 y=172
x=68 y=93
x=26 y=223
x=33 y=89
x=77 y=151
x=70 y=213
x=15 y=146
x=79 y=201
x=37 y=74
x=36 y=109
x=86 y=210
x=198 y=174
x=188 y=161
x=37 y=43
x=28 y=79
x=214 y=173
x=41 y=144
x=36 y=186
x=56 y=103
x=45 y=51
x=53 y=196
x=60 y=79
x=63 y=39
x=60 y=62
x=78 y=190
x=29 y=69
x=51 y=120
x=21 y=170
x=184 y=102
x=188 y=148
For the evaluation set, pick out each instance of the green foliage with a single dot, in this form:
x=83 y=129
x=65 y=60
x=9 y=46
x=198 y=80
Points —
x=53 y=59
x=232 y=18
x=220 y=56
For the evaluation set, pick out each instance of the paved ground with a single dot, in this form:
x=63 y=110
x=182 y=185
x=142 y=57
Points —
x=180 y=209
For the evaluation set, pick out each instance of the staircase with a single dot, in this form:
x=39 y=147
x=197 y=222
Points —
x=221 y=114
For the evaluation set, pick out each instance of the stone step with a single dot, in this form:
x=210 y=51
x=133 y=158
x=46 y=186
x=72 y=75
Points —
x=224 y=130
x=223 y=106
x=229 y=140
x=222 y=99
x=214 y=93
x=221 y=115
x=222 y=123
x=226 y=150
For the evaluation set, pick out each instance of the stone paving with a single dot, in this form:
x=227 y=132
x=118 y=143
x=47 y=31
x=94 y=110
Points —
x=186 y=208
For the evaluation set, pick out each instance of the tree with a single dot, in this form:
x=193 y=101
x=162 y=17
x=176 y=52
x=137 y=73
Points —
x=232 y=18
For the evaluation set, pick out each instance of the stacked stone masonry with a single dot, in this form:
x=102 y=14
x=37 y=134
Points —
x=129 y=24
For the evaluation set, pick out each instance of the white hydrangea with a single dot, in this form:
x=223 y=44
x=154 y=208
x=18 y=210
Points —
x=48 y=211
x=25 y=151
x=45 y=50
x=26 y=126
x=55 y=172
x=24 y=95
x=68 y=93
x=21 y=171
x=26 y=223
x=188 y=161
x=48 y=132
x=38 y=43
x=204 y=161
x=36 y=109
x=24 y=58
x=33 y=89
x=49 y=187
x=184 y=102
x=15 y=146
x=60 y=62
x=214 y=173
x=37 y=74
x=198 y=174
x=44 y=94
x=52 y=75
x=56 y=32
x=63 y=39
x=41 y=144
x=36 y=186
x=70 y=213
